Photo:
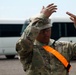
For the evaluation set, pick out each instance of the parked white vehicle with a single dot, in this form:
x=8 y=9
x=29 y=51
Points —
x=63 y=29
x=10 y=31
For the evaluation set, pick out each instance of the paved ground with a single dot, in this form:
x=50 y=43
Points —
x=14 y=67
x=10 y=67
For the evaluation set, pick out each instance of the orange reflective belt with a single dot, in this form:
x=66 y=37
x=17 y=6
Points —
x=59 y=56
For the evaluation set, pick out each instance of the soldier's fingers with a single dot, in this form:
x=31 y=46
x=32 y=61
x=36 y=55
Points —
x=72 y=18
x=53 y=10
x=52 y=7
x=70 y=14
x=42 y=7
x=50 y=4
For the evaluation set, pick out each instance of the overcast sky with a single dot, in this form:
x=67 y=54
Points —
x=26 y=8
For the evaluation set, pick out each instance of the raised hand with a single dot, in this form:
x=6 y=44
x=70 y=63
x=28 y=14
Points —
x=72 y=17
x=47 y=11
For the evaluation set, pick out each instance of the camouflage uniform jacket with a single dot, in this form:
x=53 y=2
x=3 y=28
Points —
x=37 y=61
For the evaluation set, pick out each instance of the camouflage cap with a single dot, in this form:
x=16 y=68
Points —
x=46 y=25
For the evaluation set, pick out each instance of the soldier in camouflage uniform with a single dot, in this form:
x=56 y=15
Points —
x=36 y=60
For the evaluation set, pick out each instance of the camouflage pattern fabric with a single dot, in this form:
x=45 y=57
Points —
x=37 y=61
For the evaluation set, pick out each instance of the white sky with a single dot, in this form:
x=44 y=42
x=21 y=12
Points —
x=27 y=8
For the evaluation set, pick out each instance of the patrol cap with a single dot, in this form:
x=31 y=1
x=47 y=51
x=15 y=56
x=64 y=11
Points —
x=48 y=25
x=46 y=22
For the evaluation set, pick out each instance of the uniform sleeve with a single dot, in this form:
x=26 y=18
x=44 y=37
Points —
x=24 y=46
x=71 y=51
x=29 y=35
x=67 y=49
x=74 y=50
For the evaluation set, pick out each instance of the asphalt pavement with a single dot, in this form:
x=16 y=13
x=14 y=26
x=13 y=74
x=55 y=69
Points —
x=14 y=67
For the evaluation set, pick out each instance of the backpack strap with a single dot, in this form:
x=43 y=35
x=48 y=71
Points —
x=59 y=56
